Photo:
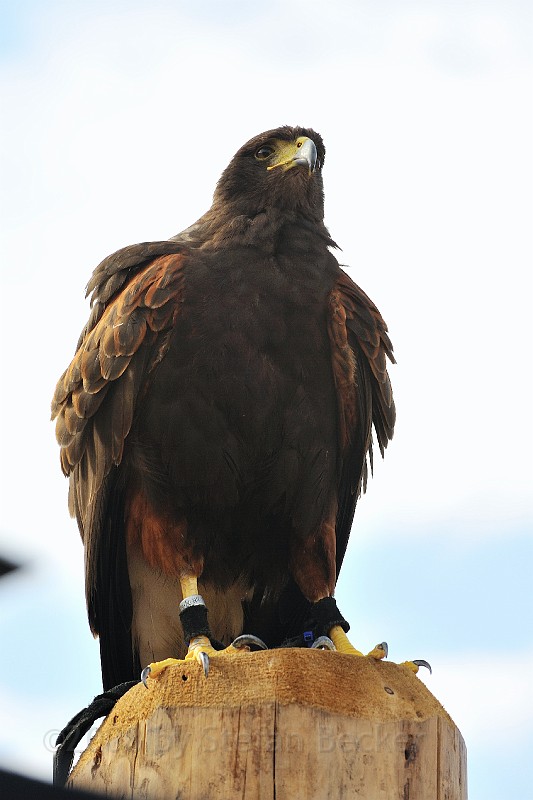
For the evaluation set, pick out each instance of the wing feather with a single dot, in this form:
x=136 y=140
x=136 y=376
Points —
x=95 y=399
x=95 y=394
x=360 y=347
x=116 y=272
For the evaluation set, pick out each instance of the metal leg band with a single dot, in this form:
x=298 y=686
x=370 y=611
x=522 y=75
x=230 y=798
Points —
x=193 y=600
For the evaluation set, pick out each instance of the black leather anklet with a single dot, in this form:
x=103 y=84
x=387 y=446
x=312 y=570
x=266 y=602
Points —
x=325 y=615
x=193 y=616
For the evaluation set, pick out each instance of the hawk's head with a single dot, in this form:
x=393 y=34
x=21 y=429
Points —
x=280 y=168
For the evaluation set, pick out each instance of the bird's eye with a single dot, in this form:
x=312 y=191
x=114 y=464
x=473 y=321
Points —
x=264 y=152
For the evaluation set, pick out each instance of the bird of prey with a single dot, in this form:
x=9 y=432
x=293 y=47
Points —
x=217 y=419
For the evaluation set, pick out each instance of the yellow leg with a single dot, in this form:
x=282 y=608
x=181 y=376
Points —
x=189 y=585
x=343 y=645
x=200 y=648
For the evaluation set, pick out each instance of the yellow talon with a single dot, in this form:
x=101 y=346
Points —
x=410 y=665
x=380 y=651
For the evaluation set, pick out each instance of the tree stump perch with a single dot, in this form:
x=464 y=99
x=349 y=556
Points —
x=289 y=723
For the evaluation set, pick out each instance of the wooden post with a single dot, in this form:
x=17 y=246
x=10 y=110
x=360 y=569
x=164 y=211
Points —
x=279 y=724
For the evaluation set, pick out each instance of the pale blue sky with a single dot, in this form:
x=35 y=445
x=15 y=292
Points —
x=117 y=119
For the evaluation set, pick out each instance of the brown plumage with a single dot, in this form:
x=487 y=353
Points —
x=217 y=416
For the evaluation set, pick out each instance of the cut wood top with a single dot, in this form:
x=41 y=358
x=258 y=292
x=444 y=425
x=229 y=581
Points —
x=343 y=684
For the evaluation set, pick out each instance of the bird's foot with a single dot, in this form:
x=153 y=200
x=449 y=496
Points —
x=339 y=641
x=414 y=666
x=201 y=650
x=242 y=644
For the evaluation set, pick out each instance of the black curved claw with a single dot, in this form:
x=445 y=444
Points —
x=248 y=640
x=323 y=643
x=204 y=658
x=144 y=675
x=421 y=663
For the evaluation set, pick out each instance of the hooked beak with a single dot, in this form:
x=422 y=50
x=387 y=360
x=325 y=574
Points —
x=302 y=152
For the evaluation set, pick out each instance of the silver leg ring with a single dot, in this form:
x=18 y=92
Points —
x=190 y=602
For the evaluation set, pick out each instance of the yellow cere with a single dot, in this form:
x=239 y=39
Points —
x=286 y=152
